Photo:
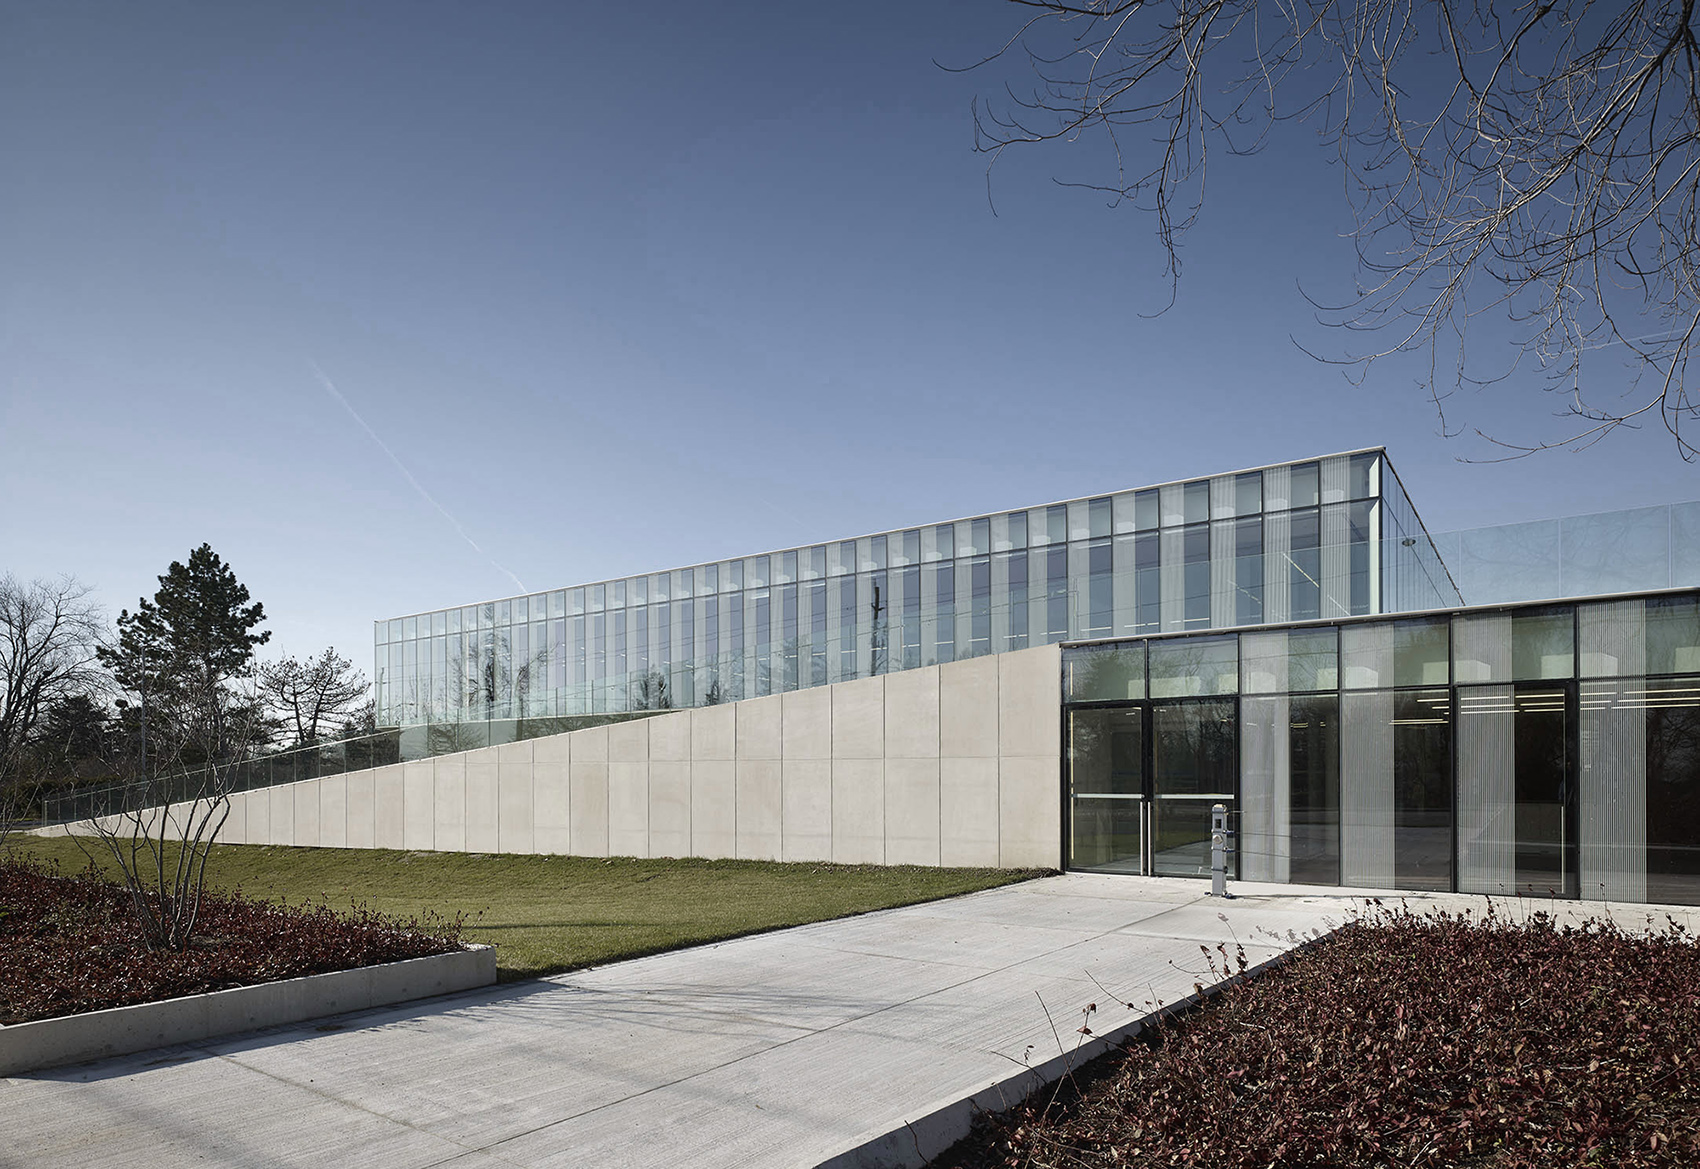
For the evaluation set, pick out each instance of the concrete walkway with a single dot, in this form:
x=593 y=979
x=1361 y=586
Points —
x=848 y=1042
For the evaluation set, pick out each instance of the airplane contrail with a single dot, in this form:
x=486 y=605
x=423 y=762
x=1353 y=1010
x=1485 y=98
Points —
x=330 y=388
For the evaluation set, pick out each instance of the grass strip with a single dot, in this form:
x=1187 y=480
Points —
x=549 y=914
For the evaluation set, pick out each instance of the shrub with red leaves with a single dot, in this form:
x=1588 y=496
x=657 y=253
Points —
x=1401 y=1040
x=69 y=945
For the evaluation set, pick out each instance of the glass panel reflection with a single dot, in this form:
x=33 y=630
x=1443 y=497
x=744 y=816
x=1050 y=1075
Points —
x=1106 y=753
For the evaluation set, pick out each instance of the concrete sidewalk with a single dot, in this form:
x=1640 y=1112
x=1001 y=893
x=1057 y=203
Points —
x=848 y=1042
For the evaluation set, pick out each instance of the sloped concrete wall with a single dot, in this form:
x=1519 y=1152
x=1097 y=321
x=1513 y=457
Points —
x=957 y=764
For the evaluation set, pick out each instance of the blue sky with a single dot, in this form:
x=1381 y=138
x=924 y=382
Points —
x=627 y=288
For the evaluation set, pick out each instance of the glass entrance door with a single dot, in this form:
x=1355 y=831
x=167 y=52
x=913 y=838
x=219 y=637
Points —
x=1545 y=854
x=1107 y=797
x=1142 y=780
x=1194 y=762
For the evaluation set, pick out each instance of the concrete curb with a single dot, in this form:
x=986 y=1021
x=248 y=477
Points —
x=45 y=1043
x=937 y=1126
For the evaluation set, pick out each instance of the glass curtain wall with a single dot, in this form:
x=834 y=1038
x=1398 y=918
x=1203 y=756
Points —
x=1282 y=543
x=1541 y=750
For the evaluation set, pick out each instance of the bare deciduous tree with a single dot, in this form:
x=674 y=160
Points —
x=315 y=696
x=49 y=632
x=1538 y=159
x=189 y=736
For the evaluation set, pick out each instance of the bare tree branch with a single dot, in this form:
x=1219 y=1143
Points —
x=1533 y=159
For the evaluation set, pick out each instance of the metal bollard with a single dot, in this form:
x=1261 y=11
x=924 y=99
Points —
x=1219 y=847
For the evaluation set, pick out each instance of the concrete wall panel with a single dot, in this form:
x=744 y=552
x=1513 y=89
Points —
x=514 y=796
x=282 y=820
x=306 y=812
x=968 y=812
x=235 y=829
x=588 y=811
x=549 y=798
x=912 y=812
x=759 y=727
x=714 y=732
x=590 y=745
x=1030 y=813
x=858 y=719
x=1029 y=693
x=714 y=808
x=419 y=796
x=858 y=811
x=552 y=749
x=968 y=709
x=333 y=811
x=362 y=809
x=759 y=809
x=483 y=788
x=628 y=805
x=912 y=714
x=670 y=802
x=448 y=808
x=628 y=742
x=670 y=737
x=806 y=810
x=806 y=716
x=387 y=801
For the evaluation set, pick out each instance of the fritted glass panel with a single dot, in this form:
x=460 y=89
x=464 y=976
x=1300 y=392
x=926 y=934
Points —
x=1514 y=647
x=1017 y=529
x=1100 y=673
x=1304 y=566
x=1313 y=786
x=1396 y=653
x=1306 y=489
x=1422 y=790
x=1195 y=503
x=1363 y=476
x=1673 y=790
x=1195 y=545
x=1673 y=635
x=1516 y=784
x=1543 y=645
x=1189 y=666
x=1248 y=493
x=1247 y=571
x=1145 y=510
x=1281 y=661
x=1099 y=518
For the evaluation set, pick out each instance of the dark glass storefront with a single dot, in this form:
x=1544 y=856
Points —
x=1549 y=751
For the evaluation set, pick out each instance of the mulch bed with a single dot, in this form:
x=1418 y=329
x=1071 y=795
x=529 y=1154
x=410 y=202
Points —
x=72 y=944
x=1400 y=1040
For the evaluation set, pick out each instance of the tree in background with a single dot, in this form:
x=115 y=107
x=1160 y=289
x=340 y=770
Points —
x=198 y=630
x=49 y=635
x=190 y=716
x=315 y=698
x=1537 y=159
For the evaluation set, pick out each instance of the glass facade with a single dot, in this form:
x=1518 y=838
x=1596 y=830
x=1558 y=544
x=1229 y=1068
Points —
x=1542 y=750
x=1325 y=538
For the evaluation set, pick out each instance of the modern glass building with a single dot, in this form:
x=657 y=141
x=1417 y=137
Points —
x=1075 y=685
x=1317 y=539
x=1549 y=750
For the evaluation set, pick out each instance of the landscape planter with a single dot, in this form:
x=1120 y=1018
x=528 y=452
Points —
x=45 y=1043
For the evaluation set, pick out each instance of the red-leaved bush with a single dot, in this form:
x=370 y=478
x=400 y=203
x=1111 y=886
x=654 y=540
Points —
x=71 y=944
x=1400 y=1040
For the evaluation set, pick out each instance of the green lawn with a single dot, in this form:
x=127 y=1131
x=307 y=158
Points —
x=547 y=914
